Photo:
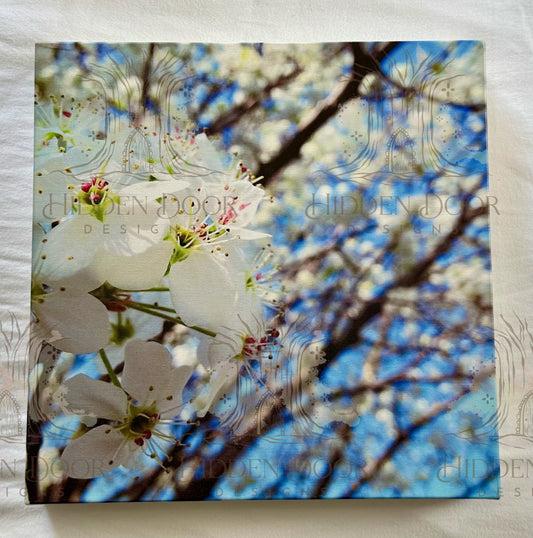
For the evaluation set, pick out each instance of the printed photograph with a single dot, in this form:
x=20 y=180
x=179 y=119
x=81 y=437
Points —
x=260 y=271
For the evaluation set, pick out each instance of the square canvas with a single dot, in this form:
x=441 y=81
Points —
x=261 y=272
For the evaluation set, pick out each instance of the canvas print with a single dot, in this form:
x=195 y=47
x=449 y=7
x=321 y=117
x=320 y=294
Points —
x=261 y=272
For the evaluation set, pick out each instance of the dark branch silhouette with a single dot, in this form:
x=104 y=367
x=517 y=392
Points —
x=363 y=64
x=417 y=274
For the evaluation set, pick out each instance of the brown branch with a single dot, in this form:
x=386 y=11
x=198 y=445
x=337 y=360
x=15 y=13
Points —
x=380 y=386
x=232 y=116
x=364 y=63
x=352 y=335
x=420 y=91
x=371 y=470
x=146 y=76
x=216 y=88
x=345 y=436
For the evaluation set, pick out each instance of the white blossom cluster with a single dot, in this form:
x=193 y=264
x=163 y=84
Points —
x=120 y=240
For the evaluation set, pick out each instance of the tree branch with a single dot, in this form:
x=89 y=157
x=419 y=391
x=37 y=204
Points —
x=418 y=273
x=363 y=64
x=372 y=469
x=232 y=116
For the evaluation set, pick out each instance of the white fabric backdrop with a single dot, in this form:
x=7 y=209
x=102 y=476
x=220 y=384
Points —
x=505 y=26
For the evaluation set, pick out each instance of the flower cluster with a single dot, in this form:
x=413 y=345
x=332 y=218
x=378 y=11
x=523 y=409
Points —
x=115 y=249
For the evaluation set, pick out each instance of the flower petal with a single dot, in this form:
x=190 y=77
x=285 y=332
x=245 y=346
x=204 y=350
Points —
x=152 y=190
x=135 y=272
x=53 y=194
x=88 y=396
x=133 y=232
x=248 y=235
x=238 y=201
x=78 y=324
x=208 y=156
x=98 y=451
x=69 y=248
x=202 y=289
x=222 y=381
x=169 y=406
x=147 y=370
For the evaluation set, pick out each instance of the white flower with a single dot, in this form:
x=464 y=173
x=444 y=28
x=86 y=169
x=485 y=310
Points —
x=189 y=230
x=150 y=396
x=115 y=233
x=68 y=135
x=236 y=205
x=207 y=287
x=69 y=319
x=241 y=346
x=223 y=186
x=134 y=150
x=207 y=274
x=65 y=315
